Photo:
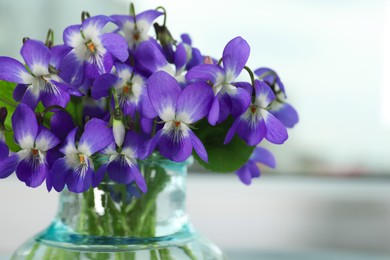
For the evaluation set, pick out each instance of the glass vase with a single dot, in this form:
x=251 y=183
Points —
x=116 y=221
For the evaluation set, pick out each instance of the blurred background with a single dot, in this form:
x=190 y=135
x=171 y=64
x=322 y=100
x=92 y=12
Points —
x=330 y=193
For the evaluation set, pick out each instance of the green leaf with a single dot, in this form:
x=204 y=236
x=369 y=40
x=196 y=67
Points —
x=6 y=100
x=222 y=158
x=9 y=139
x=75 y=109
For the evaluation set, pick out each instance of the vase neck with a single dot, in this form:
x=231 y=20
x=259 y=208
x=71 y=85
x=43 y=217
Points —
x=119 y=210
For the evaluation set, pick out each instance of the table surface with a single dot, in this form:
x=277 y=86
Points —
x=276 y=255
x=315 y=255
x=286 y=217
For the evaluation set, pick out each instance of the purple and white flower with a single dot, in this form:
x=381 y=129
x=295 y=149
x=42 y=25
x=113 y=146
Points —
x=279 y=107
x=36 y=141
x=122 y=164
x=257 y=123
x=136 y=28
x=131 y=95
x=93 y=52
x=41 y=82
x=76 y=169
x=226 y=94
x=130 y=88
x=61 y=123
x=4 y=151
x=151 y=59
x=194 y=57
x=5 y=170
x=178 y=109
x=250 y=170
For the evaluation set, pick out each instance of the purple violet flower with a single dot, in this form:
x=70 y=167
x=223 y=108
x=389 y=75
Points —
x=130 y=87
x=257 y=123
x=194 y=57
x=5 y=168
x=4 y=151
x=76 y=169
x=7 y=163
x=122 y=166
x=150 y=58
x=35 y=141
x=279 y=107
x=93 y=51
x=250 y=170
x=227 y=97
x=136 y=28
x=61 y=124
x=42 y=83
x=178 y=109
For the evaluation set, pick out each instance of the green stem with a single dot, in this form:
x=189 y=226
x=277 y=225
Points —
x=188 y=252
x=93 y=225
x=165 y=14
x=153 y=255
x=107 y=219
x=54 y=107
x=85 y=15
x=146 y=213
x=145 y=210
x=33 y=251
x=252 y=76
x=165 y=254
x=49 y=253
x=83 y=214
x=132 y=13
x=7 y=102
x=115 y=96
x=118 y=219
x=49 y=38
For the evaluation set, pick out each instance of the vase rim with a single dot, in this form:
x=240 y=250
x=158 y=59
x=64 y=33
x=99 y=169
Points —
x=158 y=158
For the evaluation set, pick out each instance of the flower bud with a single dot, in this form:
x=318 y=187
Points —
x=119 y=131
x=208 y=60
x=163 y=35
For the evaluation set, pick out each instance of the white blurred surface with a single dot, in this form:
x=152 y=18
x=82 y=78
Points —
x=275 y=213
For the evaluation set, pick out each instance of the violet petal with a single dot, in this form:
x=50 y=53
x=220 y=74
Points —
x=32 y=174
x=13 y=71
x=25 y=126
x=195 y=102
x=235 y=56
x=37 y=57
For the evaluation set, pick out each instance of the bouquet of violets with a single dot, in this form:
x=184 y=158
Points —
x=92 y=108
x=92 y=112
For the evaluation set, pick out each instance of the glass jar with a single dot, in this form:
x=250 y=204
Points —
x=116 y=221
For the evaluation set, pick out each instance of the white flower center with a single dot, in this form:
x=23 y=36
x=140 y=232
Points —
x=253 y=115
x=176 y=130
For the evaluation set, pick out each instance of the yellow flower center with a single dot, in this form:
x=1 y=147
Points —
x=91 y=47
x=81 y=158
